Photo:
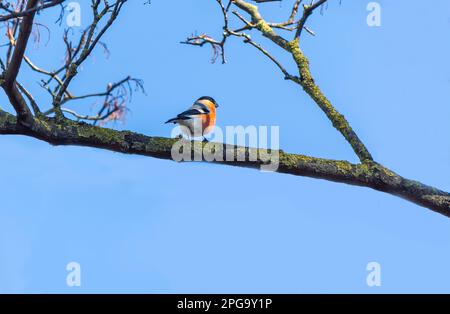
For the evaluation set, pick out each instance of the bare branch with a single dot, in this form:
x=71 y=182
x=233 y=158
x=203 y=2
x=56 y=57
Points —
x=32 y=10
x=30 y=98
x=89 y=44
x=307 y=11
x=114 y=105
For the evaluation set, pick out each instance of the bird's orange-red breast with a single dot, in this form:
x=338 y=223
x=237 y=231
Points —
x=208 y=120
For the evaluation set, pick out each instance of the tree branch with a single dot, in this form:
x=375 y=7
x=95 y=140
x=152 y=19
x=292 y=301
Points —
x=368 y=174
x=45 y=5
x=307 y=11
x=24 y=33
x=9 y=83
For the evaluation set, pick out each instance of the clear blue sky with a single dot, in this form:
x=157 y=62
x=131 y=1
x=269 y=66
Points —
x=138 y=224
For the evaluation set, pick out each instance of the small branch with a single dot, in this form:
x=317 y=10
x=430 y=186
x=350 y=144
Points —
x=287 y=76
x=45 y=4
x=52 y=75
x=116 y=95
x=31 y=99
x=90 y=43
x=87 y=117
x=307 y=11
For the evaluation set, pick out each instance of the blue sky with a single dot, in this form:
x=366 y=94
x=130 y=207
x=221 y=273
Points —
x=137 y=224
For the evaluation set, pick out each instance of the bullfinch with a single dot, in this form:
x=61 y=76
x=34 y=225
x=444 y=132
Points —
x=199 y=119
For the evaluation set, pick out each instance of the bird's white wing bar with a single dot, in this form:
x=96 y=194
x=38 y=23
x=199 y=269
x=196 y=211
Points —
x=201 y=107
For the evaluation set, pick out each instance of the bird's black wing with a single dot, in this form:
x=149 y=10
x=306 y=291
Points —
x=191 y=112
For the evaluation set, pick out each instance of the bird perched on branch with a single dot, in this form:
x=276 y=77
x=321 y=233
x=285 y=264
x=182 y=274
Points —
x=199 y=119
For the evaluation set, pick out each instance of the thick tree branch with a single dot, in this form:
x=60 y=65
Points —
x=24 y=33
x=9 y=82
x=313 y=90
x=368 y=174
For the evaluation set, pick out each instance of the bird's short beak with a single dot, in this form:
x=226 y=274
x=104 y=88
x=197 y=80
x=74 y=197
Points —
x=217 y=105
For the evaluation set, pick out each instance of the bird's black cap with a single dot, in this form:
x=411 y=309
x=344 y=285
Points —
x=210 y=99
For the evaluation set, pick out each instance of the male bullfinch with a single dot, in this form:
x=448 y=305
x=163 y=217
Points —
x=199 y=119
